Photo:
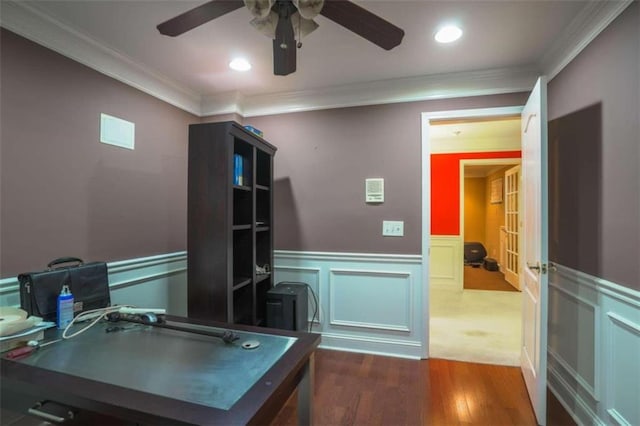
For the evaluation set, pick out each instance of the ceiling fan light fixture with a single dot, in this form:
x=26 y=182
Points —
x=309 y=9
x=448 y=34
x=346 y=13
x=267 y=26
x=259 y=8
x=240 y=64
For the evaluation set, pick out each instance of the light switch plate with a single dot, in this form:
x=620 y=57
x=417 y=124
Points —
x=393 y=228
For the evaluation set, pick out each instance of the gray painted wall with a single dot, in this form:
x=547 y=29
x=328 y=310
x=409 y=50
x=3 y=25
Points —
x=324 y=158
x=66 y=194
x=606 y=73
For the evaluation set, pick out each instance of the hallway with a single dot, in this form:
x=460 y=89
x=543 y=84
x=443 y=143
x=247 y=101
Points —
x=475 y=326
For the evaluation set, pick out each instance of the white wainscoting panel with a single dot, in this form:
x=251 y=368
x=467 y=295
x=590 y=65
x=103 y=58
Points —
x=9 y=292
x=594 y=348
x=576 y=345
x=369 y=302
x=151 y=282
x=390 y=309
x=623 y=359
x=446 y=262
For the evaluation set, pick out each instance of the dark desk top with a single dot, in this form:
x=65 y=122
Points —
x=161 y=372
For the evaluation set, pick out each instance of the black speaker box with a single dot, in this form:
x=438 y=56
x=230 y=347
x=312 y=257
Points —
x=287 y=307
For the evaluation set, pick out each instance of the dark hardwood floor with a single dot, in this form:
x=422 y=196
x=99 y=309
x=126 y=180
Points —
x=361 y=389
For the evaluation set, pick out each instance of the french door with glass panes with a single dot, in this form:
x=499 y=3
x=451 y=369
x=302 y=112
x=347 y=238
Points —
x=512 y=225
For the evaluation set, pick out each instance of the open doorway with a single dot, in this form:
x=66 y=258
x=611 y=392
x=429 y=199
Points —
x=471 y=324
x=489 y=224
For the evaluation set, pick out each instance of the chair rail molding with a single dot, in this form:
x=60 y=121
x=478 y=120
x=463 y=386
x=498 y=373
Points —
x=152 y=282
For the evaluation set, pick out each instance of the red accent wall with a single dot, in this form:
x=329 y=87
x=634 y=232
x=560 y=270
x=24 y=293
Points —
x=445 y=188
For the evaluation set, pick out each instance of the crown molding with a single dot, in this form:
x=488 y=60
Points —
x=223 y=103
x=585 y=27
x=34 y=25
x=29 y=22
x=438 y=86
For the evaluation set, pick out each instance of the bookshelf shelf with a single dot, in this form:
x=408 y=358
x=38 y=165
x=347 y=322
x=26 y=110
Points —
x=262 y=277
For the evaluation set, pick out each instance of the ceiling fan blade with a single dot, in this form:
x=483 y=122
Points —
x=364 y=23
x=284 y=47
x=198 y=16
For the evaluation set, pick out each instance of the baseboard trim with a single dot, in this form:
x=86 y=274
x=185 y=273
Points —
x=568 y=373
x=370 y=345
x=579 y=412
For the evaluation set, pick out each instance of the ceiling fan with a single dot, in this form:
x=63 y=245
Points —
x=286 y=21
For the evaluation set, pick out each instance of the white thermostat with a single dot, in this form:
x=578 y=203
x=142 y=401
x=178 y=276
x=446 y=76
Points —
x=374 y=190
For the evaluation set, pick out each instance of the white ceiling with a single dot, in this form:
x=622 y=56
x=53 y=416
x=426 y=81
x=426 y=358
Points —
x=499 y=129
x=482 y=171
x=473 y=135
x=504 y=46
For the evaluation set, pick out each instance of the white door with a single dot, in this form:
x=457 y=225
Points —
x=512 y=226
x=534 y=278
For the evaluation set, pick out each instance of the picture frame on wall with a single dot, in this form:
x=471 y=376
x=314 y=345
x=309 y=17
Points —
x=496 y=191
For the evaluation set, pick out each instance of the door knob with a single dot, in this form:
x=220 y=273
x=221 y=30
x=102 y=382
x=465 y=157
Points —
x=538 y=267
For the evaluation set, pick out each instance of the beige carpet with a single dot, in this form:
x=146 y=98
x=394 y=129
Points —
x=475 y=326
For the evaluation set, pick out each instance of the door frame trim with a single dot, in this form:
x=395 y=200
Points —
x=425 y=122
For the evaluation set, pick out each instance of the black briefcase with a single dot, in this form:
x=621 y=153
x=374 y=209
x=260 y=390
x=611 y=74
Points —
x=88 y=282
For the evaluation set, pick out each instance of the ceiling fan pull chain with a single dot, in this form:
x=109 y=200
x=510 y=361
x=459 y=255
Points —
x=299 y=45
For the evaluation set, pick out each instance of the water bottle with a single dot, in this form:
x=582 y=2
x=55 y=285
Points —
x=65 y=307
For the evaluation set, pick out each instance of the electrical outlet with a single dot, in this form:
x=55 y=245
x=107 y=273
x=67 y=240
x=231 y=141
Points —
x=393 y=228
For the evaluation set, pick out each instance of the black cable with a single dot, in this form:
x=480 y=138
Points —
x=315 y=311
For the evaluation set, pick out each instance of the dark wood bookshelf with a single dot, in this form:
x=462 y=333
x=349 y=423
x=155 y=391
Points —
x=229 y=229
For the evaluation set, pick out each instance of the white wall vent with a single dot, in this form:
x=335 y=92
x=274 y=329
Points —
x=116 y=131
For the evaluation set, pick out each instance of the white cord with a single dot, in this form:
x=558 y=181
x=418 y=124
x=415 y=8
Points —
x=103 y=312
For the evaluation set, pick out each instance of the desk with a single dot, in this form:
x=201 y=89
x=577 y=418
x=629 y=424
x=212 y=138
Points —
x=150 y=375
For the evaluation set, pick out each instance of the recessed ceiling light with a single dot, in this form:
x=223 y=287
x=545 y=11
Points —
x=240 y=64
x=448 y=33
